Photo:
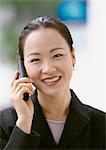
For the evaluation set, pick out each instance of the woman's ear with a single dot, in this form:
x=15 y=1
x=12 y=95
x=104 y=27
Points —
x=73 y=56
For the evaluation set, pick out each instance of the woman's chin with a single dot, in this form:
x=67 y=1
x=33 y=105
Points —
x=50 y=91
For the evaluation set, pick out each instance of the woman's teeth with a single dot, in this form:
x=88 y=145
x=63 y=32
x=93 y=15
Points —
x=51 y=80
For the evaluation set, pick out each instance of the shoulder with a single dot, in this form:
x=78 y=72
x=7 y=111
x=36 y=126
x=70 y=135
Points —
x=95 y=116
x=94 y=111
x=8 y=116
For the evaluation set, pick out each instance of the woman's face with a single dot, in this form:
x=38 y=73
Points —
x=48 y=61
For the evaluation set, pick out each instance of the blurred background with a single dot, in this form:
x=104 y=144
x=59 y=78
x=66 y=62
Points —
x=86 y=22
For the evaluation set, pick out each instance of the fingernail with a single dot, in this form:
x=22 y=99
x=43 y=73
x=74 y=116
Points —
x=33 y=87
x=31 y=94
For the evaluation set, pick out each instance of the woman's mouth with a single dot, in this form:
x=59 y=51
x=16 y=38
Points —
x=51 y=81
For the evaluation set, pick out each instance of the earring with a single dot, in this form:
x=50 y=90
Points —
x=73 y=66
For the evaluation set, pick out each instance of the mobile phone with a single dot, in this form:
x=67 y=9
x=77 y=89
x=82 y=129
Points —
x=23 y=73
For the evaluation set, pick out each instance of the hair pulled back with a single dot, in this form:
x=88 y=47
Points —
x=45 y=22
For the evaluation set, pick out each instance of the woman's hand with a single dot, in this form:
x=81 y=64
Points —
x=24 y=109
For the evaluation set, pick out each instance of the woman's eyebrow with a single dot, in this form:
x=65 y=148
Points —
x=55 y=49
x=31 y=54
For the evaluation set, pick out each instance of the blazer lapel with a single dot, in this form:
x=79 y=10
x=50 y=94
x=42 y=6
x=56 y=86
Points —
x=40 y=124
x=76 y=122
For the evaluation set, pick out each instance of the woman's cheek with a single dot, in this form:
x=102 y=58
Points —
x=32 y=73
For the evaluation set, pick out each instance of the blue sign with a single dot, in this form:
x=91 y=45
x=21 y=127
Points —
x=72 y=10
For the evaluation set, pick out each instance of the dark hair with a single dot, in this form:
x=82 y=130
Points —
x=45 y=22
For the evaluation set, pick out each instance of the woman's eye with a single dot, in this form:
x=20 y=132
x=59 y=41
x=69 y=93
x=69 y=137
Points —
x=57 y=55
x=35 y=60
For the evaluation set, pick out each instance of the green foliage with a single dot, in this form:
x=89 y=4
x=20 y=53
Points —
x=24 y=11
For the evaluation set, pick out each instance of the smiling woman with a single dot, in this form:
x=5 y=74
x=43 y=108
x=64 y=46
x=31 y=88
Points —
x=52 y=117
x=48 y=58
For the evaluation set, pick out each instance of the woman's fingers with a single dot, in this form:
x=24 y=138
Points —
x=24 y=85
x=19 y=86
x=20 y=94
x=16 y=81
x=20 y=80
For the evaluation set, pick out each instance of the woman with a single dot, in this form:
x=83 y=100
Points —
x=52 y=117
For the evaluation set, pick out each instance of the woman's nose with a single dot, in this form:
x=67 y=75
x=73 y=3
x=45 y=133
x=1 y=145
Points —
x=48 y=68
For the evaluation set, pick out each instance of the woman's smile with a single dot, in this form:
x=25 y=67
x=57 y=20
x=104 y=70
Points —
x=51 y=81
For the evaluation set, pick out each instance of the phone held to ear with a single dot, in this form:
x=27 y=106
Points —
x=23 y=73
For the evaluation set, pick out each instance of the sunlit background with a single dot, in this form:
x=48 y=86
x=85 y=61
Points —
x=87 y=23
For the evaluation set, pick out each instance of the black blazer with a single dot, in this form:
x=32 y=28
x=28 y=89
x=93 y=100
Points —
x=84 y=129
